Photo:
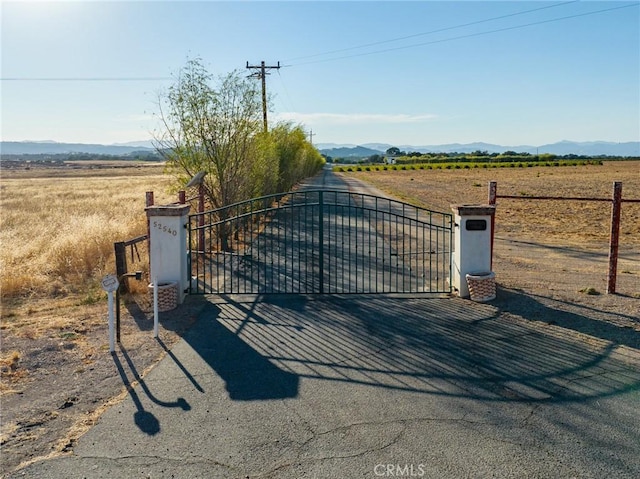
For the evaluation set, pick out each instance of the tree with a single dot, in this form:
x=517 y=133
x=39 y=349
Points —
x=297 y=158
x=214 y=129
x=393 y=151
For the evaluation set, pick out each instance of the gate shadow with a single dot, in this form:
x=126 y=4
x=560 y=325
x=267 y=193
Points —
x=263 y=346
x=248 y=375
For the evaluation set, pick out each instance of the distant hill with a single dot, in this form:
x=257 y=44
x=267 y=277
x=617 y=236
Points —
x=593 y=148
x=350 y=152
x=52 y=148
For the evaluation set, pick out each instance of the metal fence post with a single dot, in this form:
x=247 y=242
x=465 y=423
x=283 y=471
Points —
x=616 y=204
x=493 y=195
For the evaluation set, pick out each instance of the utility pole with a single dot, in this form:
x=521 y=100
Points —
x=261 y=74
x=311 y=135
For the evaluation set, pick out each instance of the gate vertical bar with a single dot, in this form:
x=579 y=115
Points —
x=201 y=217
x=321 y=241
x=615 y=237
x=190 y=259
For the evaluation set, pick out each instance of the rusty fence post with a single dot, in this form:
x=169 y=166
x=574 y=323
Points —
x=616 y=204
x=149 y=202
x=493 y=195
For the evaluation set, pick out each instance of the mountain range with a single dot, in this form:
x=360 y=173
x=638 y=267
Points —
x=55 y=148
x=593 y=148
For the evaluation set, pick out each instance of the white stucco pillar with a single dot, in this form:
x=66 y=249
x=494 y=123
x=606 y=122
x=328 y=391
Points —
x=472 y=243
x=168 y=245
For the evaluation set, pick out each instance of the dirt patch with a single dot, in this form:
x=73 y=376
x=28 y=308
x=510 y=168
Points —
x=58 y=377
x=570 y=222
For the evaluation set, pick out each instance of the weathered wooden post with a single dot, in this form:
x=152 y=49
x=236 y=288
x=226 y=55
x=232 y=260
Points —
x=148 y=202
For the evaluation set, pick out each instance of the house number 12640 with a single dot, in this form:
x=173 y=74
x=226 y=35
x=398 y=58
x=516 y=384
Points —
x=164 y=228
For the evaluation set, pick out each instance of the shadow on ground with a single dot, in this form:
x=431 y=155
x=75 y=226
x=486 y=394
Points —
x=263 y=346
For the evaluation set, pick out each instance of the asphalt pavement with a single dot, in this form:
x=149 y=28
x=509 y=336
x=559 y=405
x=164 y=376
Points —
x=367 y=386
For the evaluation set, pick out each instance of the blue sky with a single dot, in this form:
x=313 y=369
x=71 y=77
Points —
x=403 y=73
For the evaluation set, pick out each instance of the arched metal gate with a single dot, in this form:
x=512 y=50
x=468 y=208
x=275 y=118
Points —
x=320 y=241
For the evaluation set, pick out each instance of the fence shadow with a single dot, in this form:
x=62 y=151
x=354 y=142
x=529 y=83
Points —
x=583 y=319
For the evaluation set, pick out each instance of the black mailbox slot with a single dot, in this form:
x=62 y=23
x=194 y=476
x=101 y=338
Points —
x=476 y=225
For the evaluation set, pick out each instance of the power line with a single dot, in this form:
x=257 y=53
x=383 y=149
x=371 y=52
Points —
x=391 y=40
x=470 y=35
x=89 y=79
x=286 y=92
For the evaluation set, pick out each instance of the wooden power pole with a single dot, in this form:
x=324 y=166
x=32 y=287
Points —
x=261 y=74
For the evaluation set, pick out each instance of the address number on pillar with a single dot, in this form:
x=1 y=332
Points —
x=164 y=228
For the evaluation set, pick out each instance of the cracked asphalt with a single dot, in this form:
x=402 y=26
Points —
x=368 y=386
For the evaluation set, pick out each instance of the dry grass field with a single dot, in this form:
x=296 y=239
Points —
x=548 y=220
x=58 y=227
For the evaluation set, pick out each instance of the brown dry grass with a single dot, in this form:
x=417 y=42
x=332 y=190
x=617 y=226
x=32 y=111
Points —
x=559 y=221
x=57 y=228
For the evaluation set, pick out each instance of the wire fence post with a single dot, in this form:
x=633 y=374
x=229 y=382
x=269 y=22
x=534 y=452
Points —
x=615 y=237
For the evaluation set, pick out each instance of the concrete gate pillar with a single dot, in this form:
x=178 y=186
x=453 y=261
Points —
x=472 y=243
x=168 y=245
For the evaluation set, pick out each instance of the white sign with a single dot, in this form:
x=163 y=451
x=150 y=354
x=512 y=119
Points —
x=110 y=283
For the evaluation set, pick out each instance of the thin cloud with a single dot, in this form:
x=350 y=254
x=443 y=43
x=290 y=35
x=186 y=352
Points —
x=353 y=118
x=135 y=118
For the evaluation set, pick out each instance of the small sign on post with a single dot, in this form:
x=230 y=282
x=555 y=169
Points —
x=110 y=284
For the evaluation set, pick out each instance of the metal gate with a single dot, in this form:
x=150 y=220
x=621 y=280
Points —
x=320 y=241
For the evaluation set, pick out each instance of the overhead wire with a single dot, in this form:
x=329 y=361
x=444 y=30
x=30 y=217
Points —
x=470 y=35
x=403 y=47
x=286 y=92
x=96 y=79
x=440 y=30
